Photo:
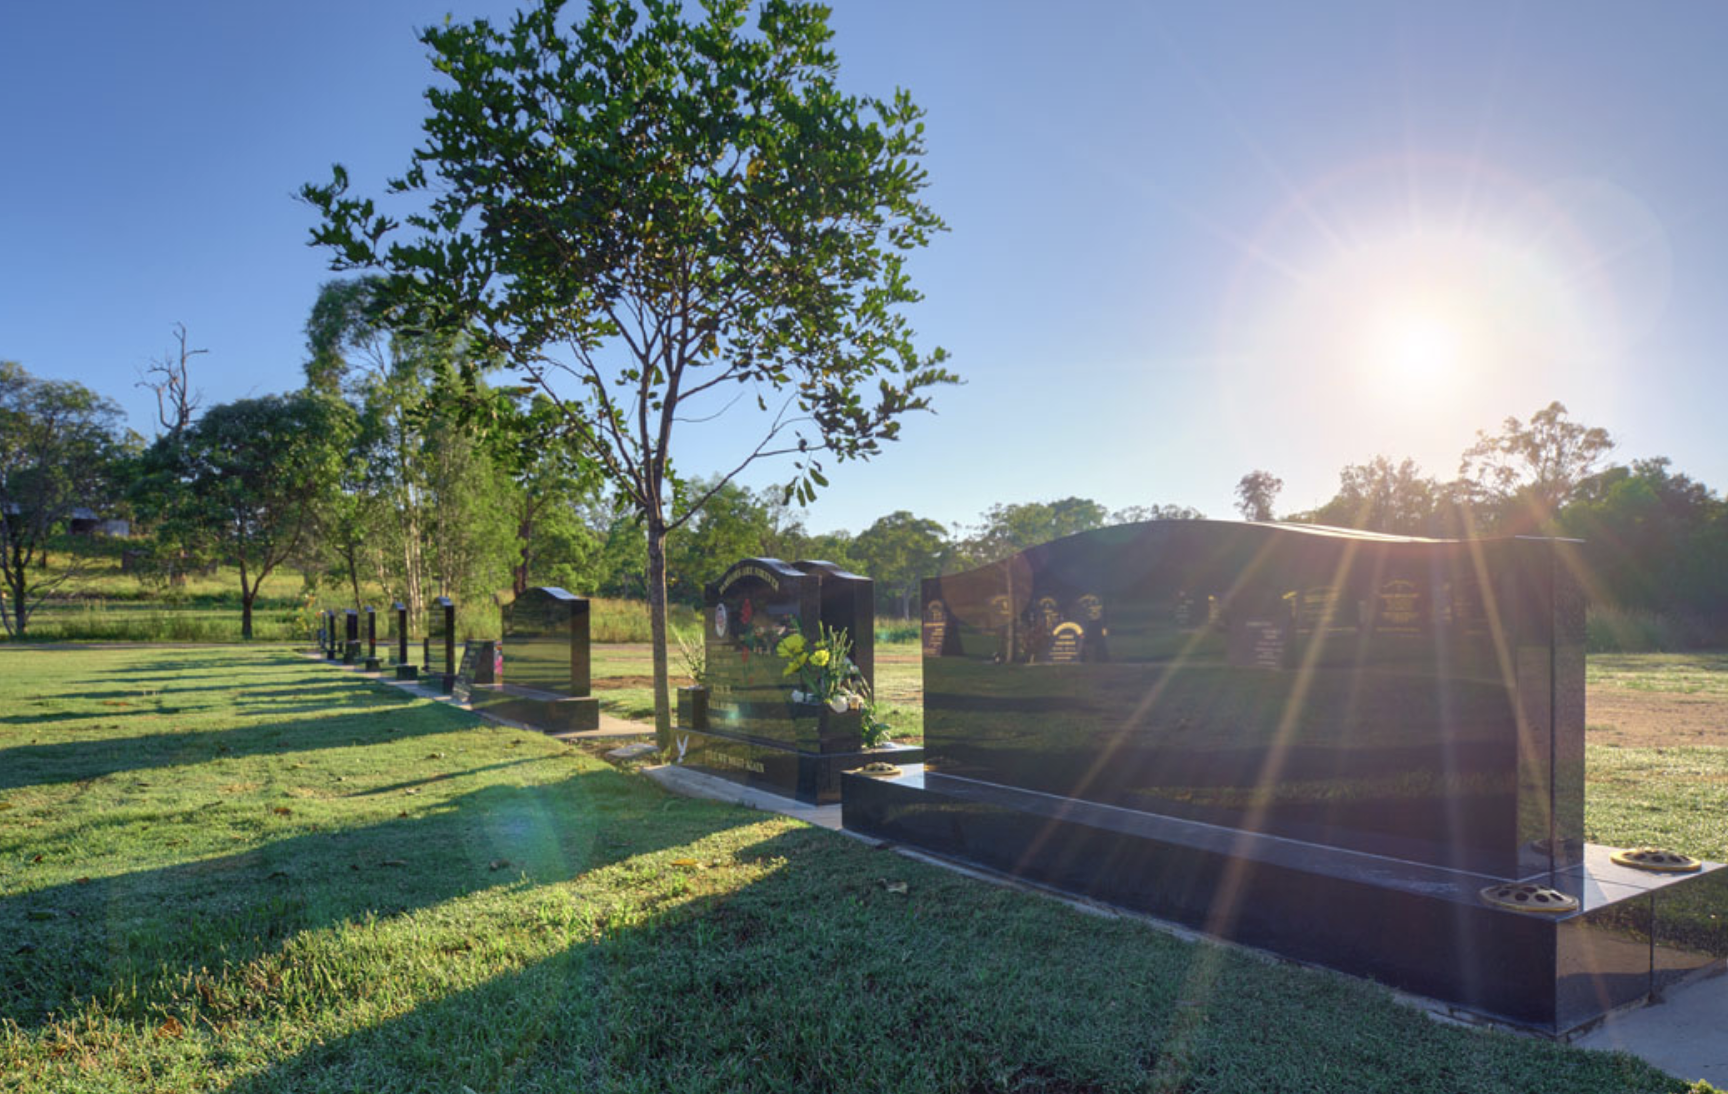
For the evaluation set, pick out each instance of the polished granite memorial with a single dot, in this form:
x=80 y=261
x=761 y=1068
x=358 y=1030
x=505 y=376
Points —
x=542 y=672
x=372 y=663
x=401 y=641
x=440 y=645
x=1325 y=743
x=746 y=725
x=350 y=636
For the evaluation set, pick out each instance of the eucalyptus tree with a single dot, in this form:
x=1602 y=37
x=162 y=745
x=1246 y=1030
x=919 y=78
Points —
x=60 y=448
x=652 y=221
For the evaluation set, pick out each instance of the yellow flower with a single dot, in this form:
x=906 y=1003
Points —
x=790 y=646
x=819 y=658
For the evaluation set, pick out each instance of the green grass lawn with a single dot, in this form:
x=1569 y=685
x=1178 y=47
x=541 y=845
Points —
x=1679 y=673
x=238 y=870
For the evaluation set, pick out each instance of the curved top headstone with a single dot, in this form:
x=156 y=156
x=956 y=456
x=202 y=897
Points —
x=1418 y=698
x=546 y=641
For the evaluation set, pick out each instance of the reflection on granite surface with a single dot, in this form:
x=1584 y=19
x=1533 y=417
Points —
x=546 y=642
x=1405 y=697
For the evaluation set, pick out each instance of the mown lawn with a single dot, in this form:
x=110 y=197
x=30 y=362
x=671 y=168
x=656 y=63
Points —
x=238 y=870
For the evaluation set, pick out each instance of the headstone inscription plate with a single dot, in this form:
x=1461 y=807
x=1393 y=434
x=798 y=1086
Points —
x=463 y=689
x=1364 y=731
x=755 y=730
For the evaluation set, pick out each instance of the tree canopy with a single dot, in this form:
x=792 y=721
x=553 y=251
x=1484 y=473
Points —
x=654 y=221
x=60 y=444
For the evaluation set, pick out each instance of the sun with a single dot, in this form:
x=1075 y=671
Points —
x=1399 y=305
x=1415 y=343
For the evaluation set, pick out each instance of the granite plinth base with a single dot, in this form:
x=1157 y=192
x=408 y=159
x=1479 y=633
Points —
x=1413 y=926
x=811 y=777
x=351 y=654
x=407 y=672
x=546 y=711
x=372 y=664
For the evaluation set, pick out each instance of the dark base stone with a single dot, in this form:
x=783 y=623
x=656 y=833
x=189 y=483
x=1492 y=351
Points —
x=546 y=711
x=407 y=672
x=446 y=682
x=351 y=655
x=1409 y=925
x=810 y=777
x=372 y=664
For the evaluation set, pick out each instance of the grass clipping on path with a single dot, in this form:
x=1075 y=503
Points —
x=242 y=871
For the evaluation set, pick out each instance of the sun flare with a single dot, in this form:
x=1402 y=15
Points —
x=1400 y=305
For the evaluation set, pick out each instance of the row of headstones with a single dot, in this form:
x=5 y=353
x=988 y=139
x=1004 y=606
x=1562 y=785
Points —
x=546 y=630
x=339 y=637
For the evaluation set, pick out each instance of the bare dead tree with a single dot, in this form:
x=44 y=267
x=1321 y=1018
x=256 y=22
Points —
x=167 y=376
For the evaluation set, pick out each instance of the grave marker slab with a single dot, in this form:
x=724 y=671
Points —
x=405 y=667
x=748 y=726
x=1354 y=738
x=543 y=664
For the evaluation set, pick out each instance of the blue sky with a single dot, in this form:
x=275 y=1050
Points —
x=1186 y=241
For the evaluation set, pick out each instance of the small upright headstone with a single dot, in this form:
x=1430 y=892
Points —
x=405 y=667
x=334 y=649
x=350 y=636
x=541 y=669
x=371 y=639
x=441 y=643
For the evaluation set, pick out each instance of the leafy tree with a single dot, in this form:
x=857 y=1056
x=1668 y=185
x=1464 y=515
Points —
x=649 y=221
x=1519 y=479
x=1255 y=493
x=1380 y=496
x=898 y=551
x=1134 y=514
x=1653 y=539
x=1008 y=528
x=60 y=445
x=253 y=475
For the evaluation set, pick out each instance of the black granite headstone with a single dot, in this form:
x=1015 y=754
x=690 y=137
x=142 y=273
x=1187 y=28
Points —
x=441 y=643
x=1353 y=737
x=754 y=727
x=405 y=667
x=351 y=636
x=372 y=662
x=543 y=664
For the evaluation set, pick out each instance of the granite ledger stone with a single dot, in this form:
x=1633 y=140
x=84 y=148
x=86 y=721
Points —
x=1321 y=742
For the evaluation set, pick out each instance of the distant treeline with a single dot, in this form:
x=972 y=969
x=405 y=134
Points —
x=365 y=480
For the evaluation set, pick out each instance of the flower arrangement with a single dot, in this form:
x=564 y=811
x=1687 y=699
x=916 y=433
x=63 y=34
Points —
x=827 y=673
x=824 y=668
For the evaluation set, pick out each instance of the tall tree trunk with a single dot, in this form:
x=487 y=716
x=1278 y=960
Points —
x=657 y=627
x=525 y=533
x=353 y=553
x=248 y=593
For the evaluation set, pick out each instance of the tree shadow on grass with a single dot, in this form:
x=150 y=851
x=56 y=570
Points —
x=814 y=975
x=133 y=943
x=158 y=701
x=77 y=761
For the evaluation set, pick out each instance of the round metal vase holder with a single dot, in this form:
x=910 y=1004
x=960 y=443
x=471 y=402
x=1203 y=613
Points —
x=877 y=769
x=1657 y=860
x=1524 y=897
